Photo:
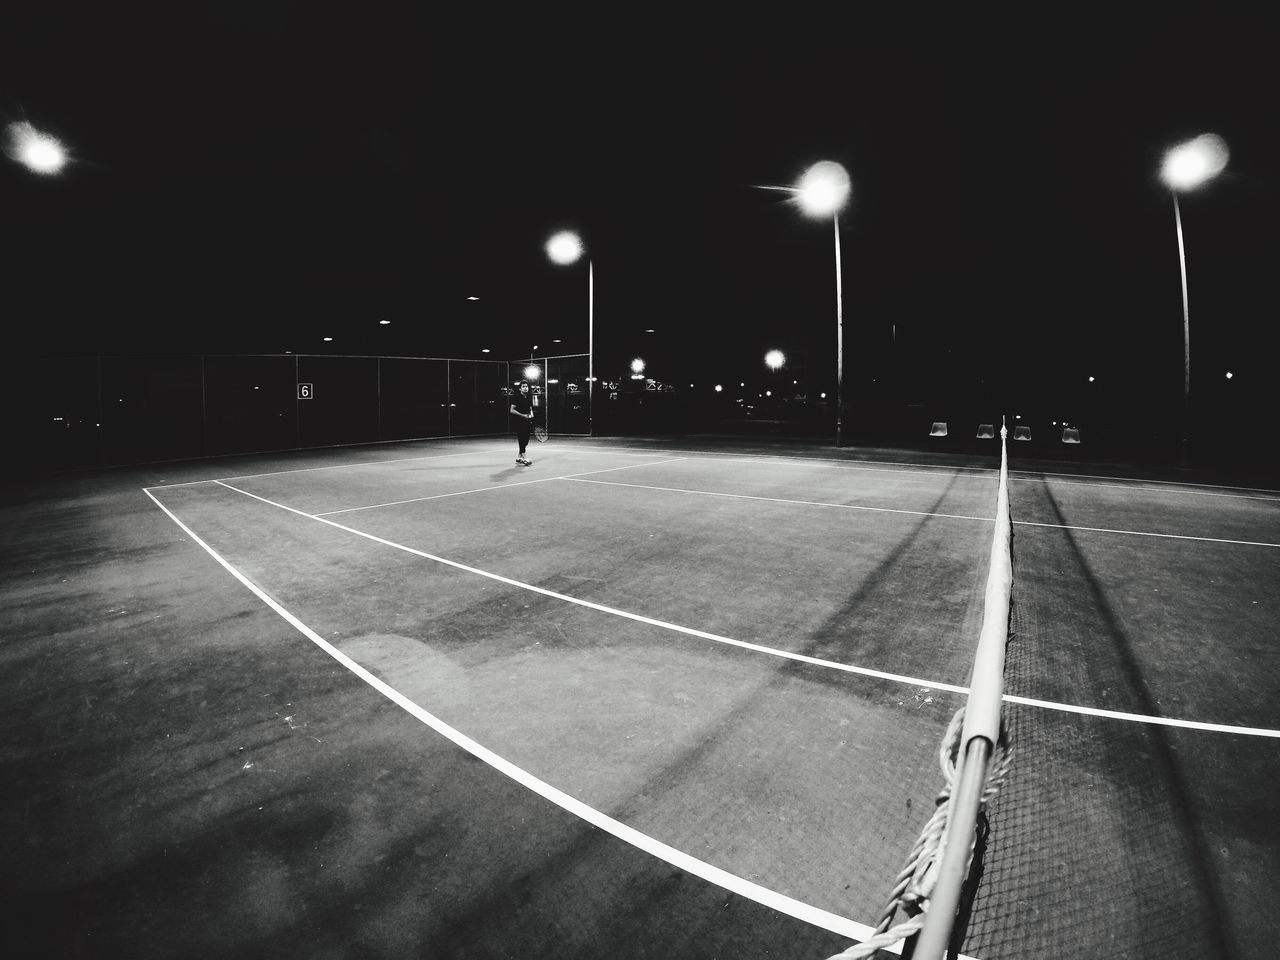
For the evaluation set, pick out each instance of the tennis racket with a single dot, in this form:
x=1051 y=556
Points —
x=540 y=433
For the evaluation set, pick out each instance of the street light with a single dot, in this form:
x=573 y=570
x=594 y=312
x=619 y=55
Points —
x=774 y=360
x=565 y=248
x=1186 y=167
x=823 y=191
x=38 y=152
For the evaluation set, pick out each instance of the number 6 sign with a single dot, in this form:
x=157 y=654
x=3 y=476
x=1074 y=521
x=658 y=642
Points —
x=305 y=392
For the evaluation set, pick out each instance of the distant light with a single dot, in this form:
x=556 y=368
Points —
x=774 y=359
x=1091 y=379
x=38 y=152
x=742 y=384
x=1190 y=164
x=485 y=350
x=564 y=248
x=650 y=330
x=822 y=396
x=691 y=386
x=384 y=322
x=719 y=389
x=637 y=376
x=328 y=339
x=637 y=365
x=1230 y=374
x=555 y=341
x=552 y=381
x=257 y=388
x=768 y=393
x=532 y=372
x=823 y=190
x=473 y=298
x=1017 y=416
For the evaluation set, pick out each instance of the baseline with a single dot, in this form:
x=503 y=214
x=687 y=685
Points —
x=496 y=486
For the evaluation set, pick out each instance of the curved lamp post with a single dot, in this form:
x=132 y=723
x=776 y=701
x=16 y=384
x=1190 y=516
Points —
x=1187 y=166
x=823 y=192
x=566 y=248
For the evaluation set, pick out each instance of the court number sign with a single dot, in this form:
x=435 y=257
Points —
x=306 y=391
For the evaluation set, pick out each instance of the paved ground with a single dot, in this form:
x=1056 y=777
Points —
x=191 y=775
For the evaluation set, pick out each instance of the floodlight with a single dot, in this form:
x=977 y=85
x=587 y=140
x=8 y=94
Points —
x=1190 y=164
x=774 y=359
x=38 y=152
x=564 y=248
x=823 y=190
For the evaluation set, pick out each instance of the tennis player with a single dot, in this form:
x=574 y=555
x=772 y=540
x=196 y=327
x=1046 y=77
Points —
x=522 y=410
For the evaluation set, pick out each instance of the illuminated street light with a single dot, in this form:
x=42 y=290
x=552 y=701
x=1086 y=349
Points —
x=637 y=365
x=566 y=248
x=823 y=190
x=774 y=359
x=38 y=152
x=1186 y=167
x=532 y=372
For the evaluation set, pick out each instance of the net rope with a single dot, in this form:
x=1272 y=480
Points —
x=914 y=884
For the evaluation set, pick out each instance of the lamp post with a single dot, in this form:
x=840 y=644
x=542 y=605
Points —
x=566 y=248
x=1187 y=166
x=823 y=191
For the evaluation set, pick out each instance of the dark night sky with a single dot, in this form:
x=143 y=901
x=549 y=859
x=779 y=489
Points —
x=254 y=176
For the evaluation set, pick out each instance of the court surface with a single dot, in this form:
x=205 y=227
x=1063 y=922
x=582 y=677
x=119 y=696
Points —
x=638 y=699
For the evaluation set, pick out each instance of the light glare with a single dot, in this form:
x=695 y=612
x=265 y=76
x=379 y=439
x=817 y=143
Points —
x=774 y=359
x=1190 y=164
x=532 y=372
x=564 y=248
x=38 y=152
x=637 y=365
x=823 y=190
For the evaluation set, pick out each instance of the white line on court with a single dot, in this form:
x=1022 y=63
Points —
x=1143 y=533
x=1143 y=718
x=758 y=648
x=329 y=466
x=924 y=468
x=920 y=513
x=805 y=503
x=1040 y=477
x=614 y=611
x=495 y=486
x=699 y=868
x=1142 y=485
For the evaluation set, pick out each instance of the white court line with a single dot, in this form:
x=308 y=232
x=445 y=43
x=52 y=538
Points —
x=758 y=648
x=923 y=468
x=805 y=503
x=1144 y=718
x=1169 y=483
x=1041 y=476
x=1143 y=533
x=642 y=841
x=614 y=611
x=1142 y=485
x=329 y=466
x=920 y=513
x=496 y=486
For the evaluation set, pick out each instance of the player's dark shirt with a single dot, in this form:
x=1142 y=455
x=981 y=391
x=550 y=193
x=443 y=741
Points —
x=523 y=403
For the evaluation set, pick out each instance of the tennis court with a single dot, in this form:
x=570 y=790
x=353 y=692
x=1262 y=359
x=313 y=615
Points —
x=639 y=699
